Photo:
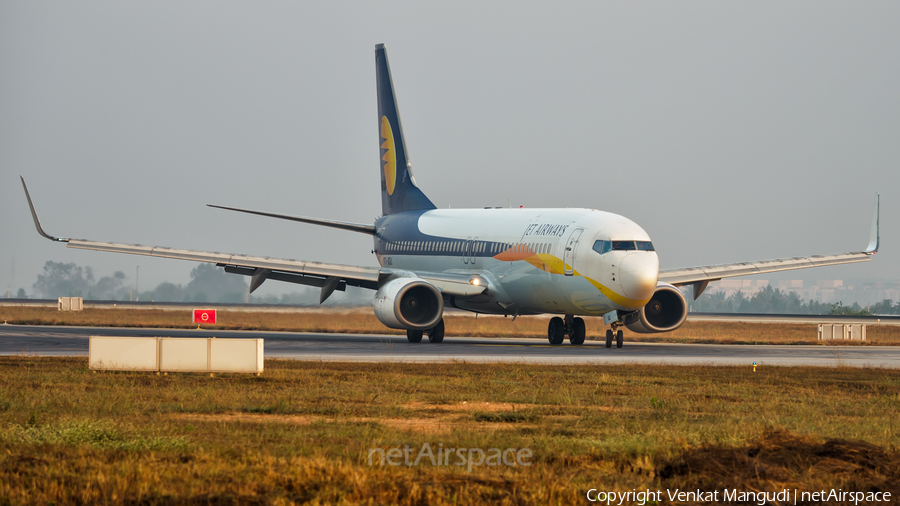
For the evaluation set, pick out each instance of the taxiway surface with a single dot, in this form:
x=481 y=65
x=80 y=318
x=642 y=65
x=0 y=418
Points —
x=73 y=341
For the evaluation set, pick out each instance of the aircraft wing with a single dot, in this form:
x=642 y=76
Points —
x=701 y=276
x=329 y=277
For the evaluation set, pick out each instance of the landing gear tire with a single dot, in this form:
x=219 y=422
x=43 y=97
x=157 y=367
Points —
x=609 y=338
x=556 y=331
x=414 y=336
x=618 y=339
x=436 y=335
x=576 y=337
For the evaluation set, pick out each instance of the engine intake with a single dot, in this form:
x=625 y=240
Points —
x=666 y=311
x=409 y=303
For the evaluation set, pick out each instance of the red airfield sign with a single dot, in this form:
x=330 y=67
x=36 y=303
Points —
x=205 y=316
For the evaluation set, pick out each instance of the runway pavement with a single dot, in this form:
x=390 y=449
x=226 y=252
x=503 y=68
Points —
x=73 y=341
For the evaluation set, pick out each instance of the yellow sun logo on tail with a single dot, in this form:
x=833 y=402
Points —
x=390 y=158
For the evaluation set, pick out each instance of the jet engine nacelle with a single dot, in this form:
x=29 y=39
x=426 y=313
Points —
x=409 y=303
x=666 y=311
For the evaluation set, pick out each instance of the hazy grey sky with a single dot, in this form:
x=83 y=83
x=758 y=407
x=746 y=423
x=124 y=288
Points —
x=729 y=131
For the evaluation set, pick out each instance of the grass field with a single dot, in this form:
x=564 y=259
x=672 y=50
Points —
x=302 y=432
x=363 y=321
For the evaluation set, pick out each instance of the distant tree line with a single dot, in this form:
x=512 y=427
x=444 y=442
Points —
x=775 y=301
x=208 y=284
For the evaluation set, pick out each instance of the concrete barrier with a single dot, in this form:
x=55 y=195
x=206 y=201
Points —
x=70 y=304
x=123 y=353
x=183 y=354
x=167 y=354
x=236 y=355
x=845 y=332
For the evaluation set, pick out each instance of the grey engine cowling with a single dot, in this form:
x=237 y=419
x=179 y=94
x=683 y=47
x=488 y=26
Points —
x=666 y=311
x=409 y=303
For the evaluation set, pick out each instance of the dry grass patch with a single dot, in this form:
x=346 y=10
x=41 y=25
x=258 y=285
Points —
x=302 y=432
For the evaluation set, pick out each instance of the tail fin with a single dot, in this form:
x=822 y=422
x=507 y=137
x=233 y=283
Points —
x=398 y=187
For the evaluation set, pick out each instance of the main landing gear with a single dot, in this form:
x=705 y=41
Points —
x=435 y=335
x=558 y=329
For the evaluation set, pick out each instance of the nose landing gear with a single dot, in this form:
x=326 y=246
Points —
x=618 y=335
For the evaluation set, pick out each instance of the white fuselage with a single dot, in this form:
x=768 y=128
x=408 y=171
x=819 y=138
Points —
x=535 y=260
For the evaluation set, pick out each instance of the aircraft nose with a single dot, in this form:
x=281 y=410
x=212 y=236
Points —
x=638 y=274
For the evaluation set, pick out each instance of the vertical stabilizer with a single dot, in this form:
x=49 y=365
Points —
x=398 y=187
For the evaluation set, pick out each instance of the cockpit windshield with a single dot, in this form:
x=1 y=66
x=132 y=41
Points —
x=623 y=246
x=607 y=246
x=602 y=246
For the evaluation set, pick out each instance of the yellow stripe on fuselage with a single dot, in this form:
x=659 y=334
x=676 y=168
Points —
x=554 y=265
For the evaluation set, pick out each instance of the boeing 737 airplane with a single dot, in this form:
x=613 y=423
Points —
x=566 y=262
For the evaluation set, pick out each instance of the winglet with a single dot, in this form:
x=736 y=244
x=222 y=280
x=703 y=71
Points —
x=37 y=222
x=875 y=235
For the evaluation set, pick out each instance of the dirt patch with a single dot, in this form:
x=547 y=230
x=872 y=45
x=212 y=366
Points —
x=438 y=426
x=247 y=417
x=465 y=406
x=780 y=459
x=420 y=425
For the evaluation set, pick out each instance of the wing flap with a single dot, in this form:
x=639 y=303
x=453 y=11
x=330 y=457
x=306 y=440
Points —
x=275 y=264
x=679 y=277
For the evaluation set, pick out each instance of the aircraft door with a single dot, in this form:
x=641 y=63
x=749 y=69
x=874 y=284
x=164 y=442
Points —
x=569 y=254
x=467 y=251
